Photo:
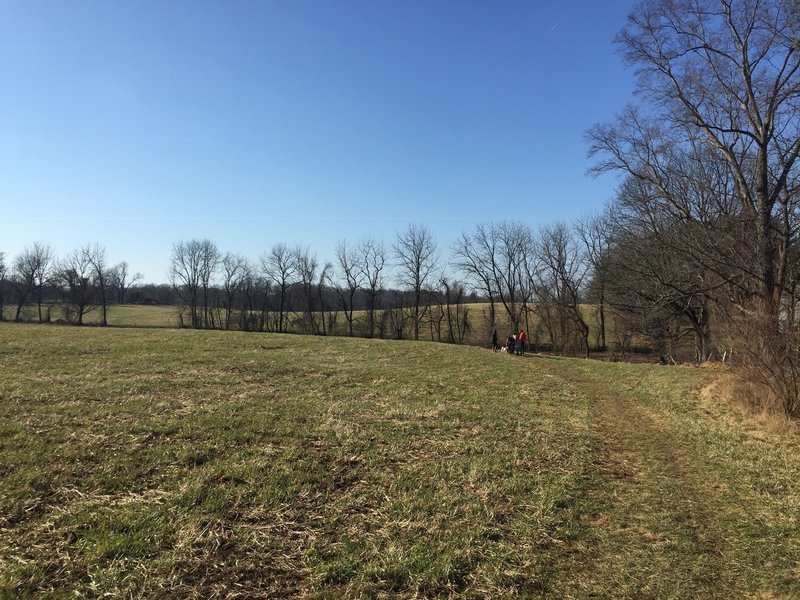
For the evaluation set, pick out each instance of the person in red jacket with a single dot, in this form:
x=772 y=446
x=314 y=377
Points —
x=522 y=337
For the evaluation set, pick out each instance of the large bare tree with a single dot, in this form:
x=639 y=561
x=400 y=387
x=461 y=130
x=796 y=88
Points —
x=514 y=250
x=494 y=257
x=721 y=78
x=662 y=274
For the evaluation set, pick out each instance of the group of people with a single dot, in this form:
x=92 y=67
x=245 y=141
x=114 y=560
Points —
x=515 y=344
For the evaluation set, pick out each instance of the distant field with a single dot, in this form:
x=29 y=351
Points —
x=137 y=315
x=119 y=315
x=164 y=463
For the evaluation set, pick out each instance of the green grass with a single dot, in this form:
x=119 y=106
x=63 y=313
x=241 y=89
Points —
x=160 y=463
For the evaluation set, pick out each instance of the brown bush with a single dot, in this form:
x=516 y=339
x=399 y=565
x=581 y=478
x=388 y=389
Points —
x=750 y=400
x=766 y=352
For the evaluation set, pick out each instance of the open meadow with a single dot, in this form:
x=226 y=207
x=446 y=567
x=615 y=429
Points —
x=197 y=464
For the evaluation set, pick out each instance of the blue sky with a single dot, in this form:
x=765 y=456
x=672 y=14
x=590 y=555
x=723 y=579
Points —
x=142 y=123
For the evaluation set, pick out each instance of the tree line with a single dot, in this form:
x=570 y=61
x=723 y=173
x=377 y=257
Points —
x=537 y=279
x=83 y=280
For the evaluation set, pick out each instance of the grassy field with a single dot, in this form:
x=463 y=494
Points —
x=176 y=463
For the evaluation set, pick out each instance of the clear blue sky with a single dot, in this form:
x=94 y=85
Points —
x=139 y=124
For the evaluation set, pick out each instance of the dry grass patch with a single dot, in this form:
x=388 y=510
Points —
x=752 y=403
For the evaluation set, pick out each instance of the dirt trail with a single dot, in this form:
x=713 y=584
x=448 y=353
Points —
x=654 y=523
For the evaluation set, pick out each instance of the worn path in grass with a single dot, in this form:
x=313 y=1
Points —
x=656 y=519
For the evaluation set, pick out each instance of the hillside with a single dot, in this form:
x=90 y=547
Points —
x=162 y=462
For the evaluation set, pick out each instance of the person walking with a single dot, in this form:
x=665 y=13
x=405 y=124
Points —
x=517 y=346
x=522 y=337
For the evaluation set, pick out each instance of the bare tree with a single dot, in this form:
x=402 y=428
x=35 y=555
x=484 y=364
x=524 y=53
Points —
x=188 y=274
x=184 y=274
x=234 y=271
x=455 y=314
x=544 y=305
x=209 y=263
x=280 y=268
x=22 y=281
x=476 y=256
x=514 y=248
x=102 y=277
x=415 y=251
x=351 y=276
x=44 y=259
x=307 y=266
x=74 y=276
x=496 y=258
x=564 y=267
x=255 y=291
x=122 y=280
x=371 y=262
x=652 y=274
x=30 y=272
x=594 y=232
x=323 y=283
